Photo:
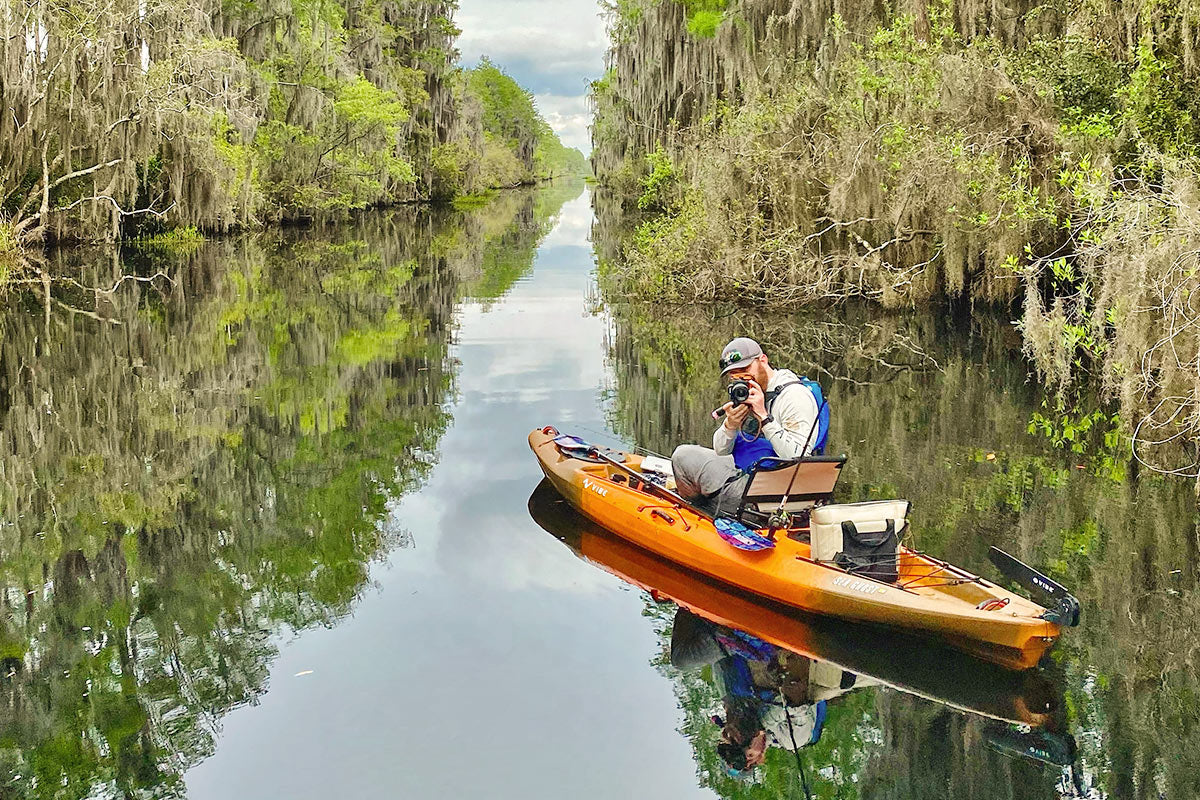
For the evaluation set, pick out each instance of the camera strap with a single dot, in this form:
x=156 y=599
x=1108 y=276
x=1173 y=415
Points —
x=770 y=397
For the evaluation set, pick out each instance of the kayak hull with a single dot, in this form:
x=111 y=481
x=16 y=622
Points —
x=931 y=596
x=913 y=664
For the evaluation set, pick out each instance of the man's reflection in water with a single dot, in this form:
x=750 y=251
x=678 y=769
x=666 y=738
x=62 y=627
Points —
x=771 y=697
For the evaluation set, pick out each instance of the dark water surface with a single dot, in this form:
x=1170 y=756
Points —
x=268 y=532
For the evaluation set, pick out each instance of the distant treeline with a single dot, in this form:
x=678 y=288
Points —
x=1043 y=157
x=130 y=117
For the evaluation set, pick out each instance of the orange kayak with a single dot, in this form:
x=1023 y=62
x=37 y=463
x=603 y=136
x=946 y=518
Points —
x=930 y=596
x=895 y=658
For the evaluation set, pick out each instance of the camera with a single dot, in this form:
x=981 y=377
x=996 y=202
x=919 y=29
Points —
x=739 y=392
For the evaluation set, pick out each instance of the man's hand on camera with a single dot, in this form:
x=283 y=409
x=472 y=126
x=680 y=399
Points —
x=756 y=402
x=735 y=415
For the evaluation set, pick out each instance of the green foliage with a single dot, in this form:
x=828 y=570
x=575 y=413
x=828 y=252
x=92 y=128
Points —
x=178 y=241
x=1161 y=106
x=703 y=24
x=623 y=16
x=466 y=202
x=10 y=245
x=508 y=111
x=292 y=118
x=704 y=17
x=907 y=155
x=660 y=182
x=519 y=145
x=348 y=160
x=236 y=156
x=449 y=164
x=364 y=107
x=553 y=159
x=656 y=264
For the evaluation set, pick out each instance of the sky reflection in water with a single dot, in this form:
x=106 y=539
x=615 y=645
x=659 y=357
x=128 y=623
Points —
x=489 y=661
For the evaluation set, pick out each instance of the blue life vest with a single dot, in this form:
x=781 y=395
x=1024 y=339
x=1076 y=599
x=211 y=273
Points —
x=747 y=452
x=821 y=437
x=820 y=722
x=738 y=682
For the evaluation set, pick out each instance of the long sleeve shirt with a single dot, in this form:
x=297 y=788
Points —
x=794 y=411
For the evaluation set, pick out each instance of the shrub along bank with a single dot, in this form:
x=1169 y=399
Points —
x=127 y=117
x=1038 y=156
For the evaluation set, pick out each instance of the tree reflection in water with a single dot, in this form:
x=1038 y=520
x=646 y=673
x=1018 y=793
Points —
x=211 y=468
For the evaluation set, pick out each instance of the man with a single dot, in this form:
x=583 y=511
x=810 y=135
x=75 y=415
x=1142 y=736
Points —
x=779 y=418
x=767 y=692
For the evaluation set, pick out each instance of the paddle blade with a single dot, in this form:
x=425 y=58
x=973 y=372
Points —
x=1066 y=610
x=740 y=536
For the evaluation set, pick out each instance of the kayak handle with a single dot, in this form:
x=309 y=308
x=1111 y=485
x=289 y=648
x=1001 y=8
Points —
x=657 y=511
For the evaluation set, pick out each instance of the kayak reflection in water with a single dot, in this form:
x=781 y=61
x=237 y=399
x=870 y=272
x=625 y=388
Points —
x=778 y=671
x=770 y=696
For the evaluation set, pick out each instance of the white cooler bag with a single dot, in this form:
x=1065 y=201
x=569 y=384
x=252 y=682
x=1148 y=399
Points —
x=868 y=544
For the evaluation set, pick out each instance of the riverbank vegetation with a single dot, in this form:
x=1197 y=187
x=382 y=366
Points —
x=1044 y=159
x=517 y=146
x=126 y=117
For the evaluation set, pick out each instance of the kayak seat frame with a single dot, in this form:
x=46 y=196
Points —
x=804 y=482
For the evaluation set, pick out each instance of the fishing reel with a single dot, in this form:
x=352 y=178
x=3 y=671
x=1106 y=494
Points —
x=779 y=519
x=788 y=520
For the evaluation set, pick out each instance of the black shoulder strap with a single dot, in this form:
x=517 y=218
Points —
x=771 y=396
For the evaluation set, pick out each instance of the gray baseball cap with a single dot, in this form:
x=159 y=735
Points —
x=738 y=354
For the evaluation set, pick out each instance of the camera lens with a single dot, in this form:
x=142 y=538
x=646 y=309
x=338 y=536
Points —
x=739 y=392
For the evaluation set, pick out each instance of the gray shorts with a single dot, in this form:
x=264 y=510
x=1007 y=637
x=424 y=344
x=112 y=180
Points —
x=709 y=480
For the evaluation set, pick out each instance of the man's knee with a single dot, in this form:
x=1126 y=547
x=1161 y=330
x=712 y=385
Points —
x=684 y=449
x=687 y=461
x=682 y=458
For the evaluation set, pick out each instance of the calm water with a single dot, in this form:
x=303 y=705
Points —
x=273 y=530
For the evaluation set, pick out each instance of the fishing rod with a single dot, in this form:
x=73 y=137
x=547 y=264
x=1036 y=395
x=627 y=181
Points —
x=624 y=445
x=787 y=715
x=778 y=515
x=650 y=485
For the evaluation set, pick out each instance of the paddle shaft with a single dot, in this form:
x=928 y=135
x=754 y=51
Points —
x=650 y=485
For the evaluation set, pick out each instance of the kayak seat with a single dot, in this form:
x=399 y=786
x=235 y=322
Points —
x=802 y=482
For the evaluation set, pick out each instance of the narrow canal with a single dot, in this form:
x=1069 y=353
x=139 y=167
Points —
x=267 y=532
x=485 y=660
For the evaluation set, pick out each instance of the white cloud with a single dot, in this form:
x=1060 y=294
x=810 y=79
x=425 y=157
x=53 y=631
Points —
x=553 y=48
x=574 y=227
x=569 y=116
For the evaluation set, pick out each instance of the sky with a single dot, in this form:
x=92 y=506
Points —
x=551 y=47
